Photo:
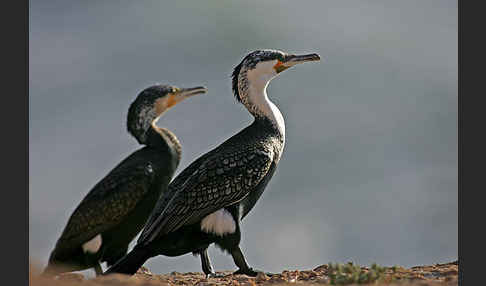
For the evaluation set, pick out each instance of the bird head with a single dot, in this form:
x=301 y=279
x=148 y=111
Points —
x=261 y=66
x=151 y=103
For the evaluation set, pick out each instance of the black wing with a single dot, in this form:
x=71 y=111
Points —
x=175 y=185
x=225 y=177
x=108 y=203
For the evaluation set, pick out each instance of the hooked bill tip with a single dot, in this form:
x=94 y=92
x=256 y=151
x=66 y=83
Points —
x=295 y=59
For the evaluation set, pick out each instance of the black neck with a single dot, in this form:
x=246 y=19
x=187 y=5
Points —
x=162 y=138
x=265 y=126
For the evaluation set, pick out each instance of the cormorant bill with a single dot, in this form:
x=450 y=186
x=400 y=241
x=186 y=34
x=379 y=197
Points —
x=116 y=209
x=206 y=202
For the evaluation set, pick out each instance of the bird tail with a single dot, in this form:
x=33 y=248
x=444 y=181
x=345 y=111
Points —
x=57 y=265
x=50 y=271
x=130 y=263
x=53 y=269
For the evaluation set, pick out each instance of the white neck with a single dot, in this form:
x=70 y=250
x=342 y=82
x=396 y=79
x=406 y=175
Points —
x=258 y=103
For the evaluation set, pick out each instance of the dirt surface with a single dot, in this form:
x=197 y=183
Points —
x=438 y=274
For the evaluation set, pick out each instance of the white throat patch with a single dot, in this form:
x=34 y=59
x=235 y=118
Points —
x=93 y=245
x=220 y=223
x=255 y=98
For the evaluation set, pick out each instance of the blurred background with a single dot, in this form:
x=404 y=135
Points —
x=369 y=171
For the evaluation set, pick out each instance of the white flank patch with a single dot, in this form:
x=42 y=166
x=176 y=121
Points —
x=220 y=222
x=93 y=245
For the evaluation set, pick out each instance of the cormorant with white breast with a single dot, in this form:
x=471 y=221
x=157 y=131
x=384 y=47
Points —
x=116 y=209
x=206 y=202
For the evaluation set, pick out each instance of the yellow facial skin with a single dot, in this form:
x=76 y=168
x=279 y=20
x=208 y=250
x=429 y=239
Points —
x=171 y=101
x=175 y=96
x=279 y=66
x=162 y=104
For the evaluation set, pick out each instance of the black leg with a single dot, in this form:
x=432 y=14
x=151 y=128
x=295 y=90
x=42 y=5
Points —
x=97 y=268
x=241 y=263
x=206 y=265
x=243 y=266
x=205 y=262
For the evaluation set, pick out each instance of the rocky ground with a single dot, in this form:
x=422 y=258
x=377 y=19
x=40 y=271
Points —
x=345 y=274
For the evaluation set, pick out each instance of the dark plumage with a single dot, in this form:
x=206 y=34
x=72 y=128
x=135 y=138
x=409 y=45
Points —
x=115 y=210
x=206 y=202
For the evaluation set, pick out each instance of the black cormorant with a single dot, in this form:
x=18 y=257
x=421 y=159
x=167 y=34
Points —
x=117 y=207
x=206 y=202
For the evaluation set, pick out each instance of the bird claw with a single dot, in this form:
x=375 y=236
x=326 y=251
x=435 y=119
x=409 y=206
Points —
x=215 y=275
x=249 y=272
x=269 y=274
x=253 y=273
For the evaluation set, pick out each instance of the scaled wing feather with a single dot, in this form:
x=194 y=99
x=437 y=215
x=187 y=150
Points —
x=221 y=180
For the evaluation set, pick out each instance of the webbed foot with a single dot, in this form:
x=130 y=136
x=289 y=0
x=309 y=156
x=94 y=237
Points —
x=247 y=271
x=269 y=274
